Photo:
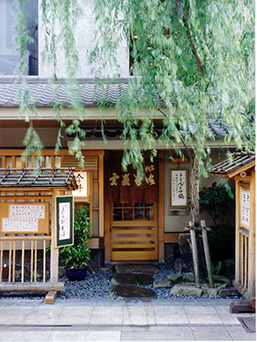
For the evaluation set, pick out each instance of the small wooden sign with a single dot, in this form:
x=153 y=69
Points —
x=244 y=208
x=64 y=221
x=24 y=218
x=81 y=194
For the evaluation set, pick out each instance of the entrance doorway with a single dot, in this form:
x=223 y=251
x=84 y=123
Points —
x=134 y=231
x=131 y=211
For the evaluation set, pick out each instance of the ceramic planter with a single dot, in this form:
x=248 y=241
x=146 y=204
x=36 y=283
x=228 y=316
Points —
x=76 y=273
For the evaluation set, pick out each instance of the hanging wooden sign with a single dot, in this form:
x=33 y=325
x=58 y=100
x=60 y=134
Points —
x=64 y=221
x=178 y=188
x=244 y=208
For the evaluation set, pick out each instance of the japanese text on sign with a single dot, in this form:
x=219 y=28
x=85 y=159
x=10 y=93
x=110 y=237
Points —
x=64 y=221
x=245 y=208
x=138 y=180
x=27 y=211
x=24 y=225
x=178 y=188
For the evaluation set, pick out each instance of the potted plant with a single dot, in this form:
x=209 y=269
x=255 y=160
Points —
x=75 y=257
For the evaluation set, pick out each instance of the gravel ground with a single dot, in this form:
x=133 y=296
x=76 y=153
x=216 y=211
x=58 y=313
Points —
x=97 y=285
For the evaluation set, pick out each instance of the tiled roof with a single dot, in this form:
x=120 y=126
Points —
x=44 y=94
x=44 y=177
x=239 y=159
x=114 y=132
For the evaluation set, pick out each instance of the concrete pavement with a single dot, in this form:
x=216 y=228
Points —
x=108 y=320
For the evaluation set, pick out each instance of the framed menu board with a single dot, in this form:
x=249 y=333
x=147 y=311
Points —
x=24 y=218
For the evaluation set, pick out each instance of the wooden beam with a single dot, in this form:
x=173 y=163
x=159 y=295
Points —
x=171 y=237
x=50 y=297
x=241 y=169
x=239 y=178
x=31 y=287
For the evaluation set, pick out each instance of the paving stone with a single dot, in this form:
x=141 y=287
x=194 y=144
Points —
x=132 y=292
x=188 y=276
x=132 y=279
x=163 y=283
x=209 y=291
x=185 y=290
x=136 y=269
x=176 y=278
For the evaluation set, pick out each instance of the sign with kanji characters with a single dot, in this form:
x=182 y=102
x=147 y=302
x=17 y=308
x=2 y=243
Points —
x=178 y=188
x=244 y=208
x=81 y=194
x=22 y=218
x=64 y=221
x=130 y=186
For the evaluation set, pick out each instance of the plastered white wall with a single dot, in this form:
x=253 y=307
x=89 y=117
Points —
x=178 y=223
x=85 y=42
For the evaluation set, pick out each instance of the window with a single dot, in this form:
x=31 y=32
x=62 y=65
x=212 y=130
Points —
x=9 y=53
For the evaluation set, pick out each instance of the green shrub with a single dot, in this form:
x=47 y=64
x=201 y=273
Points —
x=76 y=256
x=217 y=200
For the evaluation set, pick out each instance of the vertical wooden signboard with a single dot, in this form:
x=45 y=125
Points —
x=64 y=221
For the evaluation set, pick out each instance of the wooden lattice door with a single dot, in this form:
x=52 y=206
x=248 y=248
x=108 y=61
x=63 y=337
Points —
x=134 y=231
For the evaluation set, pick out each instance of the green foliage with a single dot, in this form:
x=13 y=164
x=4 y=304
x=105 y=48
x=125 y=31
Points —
x=192 y=61
x=217 y=200
x=76 y=256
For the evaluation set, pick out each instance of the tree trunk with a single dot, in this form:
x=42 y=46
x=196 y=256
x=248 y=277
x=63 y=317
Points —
x=194 y=184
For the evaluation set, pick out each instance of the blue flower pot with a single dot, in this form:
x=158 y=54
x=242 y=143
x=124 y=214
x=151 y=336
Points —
x=76 y=273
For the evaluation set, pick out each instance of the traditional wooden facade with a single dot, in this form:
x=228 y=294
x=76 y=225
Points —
x=242 y=169
x=129 y=227
x=28 y=228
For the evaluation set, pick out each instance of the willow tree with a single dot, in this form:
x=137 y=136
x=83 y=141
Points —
x=197 y=57
x=191 y=61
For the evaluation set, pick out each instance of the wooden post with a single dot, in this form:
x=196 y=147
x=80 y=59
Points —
x=237 y=235
x=207 y=253
x=161 y=207
x=194 y=189
x=194 y=254
x=252 y=245
x=54 y=263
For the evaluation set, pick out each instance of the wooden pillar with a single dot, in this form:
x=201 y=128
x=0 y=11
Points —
x=252 y=252
x=194 y=190
x=107 y=210
x=161 y=207
x=237 y=242
x=54 y=260
x=101 y=195
x=194 y=255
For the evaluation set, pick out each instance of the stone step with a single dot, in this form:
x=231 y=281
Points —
x=136 y=269
x=120 y=292
x=131 y=279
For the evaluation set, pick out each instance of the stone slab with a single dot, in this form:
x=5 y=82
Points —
x=136 y=269
x=131 y=279
x=185 y=290
x=175 y=278
x=132 y=292
x=163 y=283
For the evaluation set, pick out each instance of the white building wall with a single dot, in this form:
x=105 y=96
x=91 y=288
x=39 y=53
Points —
x=178 y=223
x=85 y=42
